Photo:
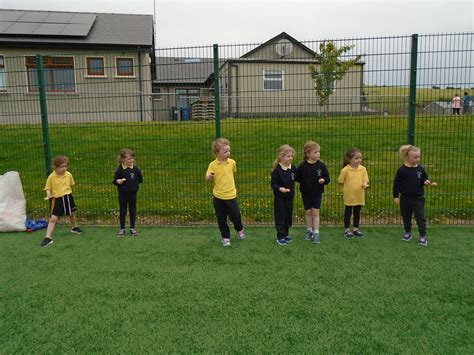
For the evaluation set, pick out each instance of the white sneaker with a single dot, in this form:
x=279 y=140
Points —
x=226 y=242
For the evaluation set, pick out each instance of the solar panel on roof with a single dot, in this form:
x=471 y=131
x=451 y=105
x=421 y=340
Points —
x=58 y=18
x=49 y=29
x=44 y=23
x=4 y=26
x=31 y=16
x=22 y=28
x=83 y=18
x=72 y=29
x=11 y=15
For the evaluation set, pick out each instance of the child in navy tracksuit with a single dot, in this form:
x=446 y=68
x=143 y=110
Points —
x=408 y=192
x=312 y=174
x=128 y=178
x=283 y=186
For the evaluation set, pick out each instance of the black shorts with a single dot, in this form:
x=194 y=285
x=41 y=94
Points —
x=63 y=206
x=312 y=201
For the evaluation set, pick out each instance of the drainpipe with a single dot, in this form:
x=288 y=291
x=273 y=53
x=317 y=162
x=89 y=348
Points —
x=140 y=83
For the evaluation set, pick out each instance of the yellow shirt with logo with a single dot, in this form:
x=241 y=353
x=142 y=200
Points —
x=352 y=180
x=224 y=184
x=59 y=185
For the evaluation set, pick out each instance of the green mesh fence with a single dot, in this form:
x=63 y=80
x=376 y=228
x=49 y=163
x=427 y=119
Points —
x=100 y=102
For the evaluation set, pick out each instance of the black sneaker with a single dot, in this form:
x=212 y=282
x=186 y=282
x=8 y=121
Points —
x=407 y=237
x=46 y=242
x=76 y=230
x=134 y=232
x=358 y=233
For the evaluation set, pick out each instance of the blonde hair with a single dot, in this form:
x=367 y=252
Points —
x=218 y=144
x=281 y=152
x=406 y=149
x=308 y=147
x=124 y=152
x=60 y=160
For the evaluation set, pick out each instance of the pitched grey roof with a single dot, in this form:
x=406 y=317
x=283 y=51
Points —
x=172 y=70
x=282 y=35
x=122 y=30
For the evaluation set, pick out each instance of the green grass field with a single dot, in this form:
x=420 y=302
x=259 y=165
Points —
x=174 y=157
x=178 y=290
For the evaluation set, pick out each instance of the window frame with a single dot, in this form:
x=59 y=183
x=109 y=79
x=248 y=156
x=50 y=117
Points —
x=269 y=79
x=88 y=67
x=189 y=95
x=30 y=63
x=119 y=75
x=3 y=73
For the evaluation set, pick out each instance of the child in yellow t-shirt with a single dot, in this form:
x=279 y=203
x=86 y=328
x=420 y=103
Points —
x=354 y=181
x=221 y=172
x=58 y=190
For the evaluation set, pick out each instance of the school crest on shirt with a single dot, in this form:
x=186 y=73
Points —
x=132 y=176
x=418 y=174
x=292 y=176
x=318 y=172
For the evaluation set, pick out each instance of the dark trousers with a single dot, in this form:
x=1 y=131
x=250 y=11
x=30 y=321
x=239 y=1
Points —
x=224 y=209
x=348 y=210
x=283 y=209
x=410 y=205
x=127 y=199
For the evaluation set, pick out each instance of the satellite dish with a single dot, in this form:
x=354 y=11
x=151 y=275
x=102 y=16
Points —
x=283 y=47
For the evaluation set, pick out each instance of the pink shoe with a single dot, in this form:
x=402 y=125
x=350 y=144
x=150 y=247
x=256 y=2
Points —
x=241 y=235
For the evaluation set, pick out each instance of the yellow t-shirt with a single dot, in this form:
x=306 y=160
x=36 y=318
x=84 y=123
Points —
x=224 y=184
x=59 y=185
x=352 y=180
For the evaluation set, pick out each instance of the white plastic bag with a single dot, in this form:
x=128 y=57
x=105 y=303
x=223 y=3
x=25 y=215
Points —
x=12 y=203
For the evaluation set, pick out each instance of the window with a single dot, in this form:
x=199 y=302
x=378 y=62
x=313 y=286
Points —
x=124 y=66
x=95 y=66
x=3 y=79
x=273 y=80
x=185 y=97
x=58 y=74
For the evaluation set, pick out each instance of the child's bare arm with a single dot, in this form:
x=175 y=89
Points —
x=210 y=177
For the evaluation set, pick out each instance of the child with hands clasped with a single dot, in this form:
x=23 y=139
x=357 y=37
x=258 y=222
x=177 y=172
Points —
x=354 y=180
x=408 y=192
x=312 y=174
x=283 y=186
x=59 y=191
x=221 y=172
x=128 y=178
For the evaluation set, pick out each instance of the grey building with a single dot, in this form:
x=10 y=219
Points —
x=98 y=67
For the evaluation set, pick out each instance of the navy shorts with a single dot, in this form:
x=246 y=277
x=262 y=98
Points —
x=63 y=206
x=312 y=201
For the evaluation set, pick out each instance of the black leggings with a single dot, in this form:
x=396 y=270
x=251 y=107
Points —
x=347 y=216
x=127 y=199
x=416 y=206
x=224 y=209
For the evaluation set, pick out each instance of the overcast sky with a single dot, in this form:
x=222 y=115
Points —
x=189 y=23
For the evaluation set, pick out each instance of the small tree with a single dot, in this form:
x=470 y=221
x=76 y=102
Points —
x=329 y=70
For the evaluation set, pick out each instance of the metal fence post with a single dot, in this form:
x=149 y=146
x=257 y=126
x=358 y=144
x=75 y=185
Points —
x=44 y=112
x=412 y=103
x=217 y=96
